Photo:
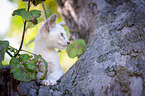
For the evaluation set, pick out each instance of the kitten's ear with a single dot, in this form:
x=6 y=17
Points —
x=52 y=21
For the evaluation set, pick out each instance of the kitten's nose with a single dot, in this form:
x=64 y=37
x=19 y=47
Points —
x=68 y=42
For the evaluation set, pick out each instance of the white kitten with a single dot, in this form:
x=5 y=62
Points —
x=49 y=37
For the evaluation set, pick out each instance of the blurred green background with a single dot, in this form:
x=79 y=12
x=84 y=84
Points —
x=12 y=27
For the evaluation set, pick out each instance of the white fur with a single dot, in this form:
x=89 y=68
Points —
x=48 y=38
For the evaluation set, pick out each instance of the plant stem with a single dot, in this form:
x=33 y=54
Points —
x=44 y=10
x=28 y=52
x=21 y=40
x=24 y=30
x=9 y=53
x=28 y=5
x=28 y=26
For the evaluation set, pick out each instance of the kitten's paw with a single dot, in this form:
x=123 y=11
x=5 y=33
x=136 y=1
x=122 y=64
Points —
x=48 y=82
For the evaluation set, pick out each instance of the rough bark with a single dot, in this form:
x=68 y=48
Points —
x=8 y=85
x=113 y=63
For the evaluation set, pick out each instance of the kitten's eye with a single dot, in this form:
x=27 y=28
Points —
x=61 y=34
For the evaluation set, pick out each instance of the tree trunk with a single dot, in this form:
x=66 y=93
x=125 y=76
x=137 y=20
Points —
x=113 y=63
x=8 y=85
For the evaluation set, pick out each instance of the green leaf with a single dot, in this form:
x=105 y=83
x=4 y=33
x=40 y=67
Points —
x=30 y=16
x=71 y=50
x=21 y=76
x=14 y=61
x=32 y=75
x=30 y=66
x=17 y=75
x=76 y=48
x=26 y=15
x=25 y=67
x=15 y=64
x=35 y=13
x=3 y=47
x=18 y=11
x=18 y=69
x=24 y=57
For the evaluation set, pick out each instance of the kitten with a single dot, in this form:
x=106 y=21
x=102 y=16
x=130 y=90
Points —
x=49 y=37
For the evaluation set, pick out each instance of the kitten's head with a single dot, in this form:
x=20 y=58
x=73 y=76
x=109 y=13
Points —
x=54 y=34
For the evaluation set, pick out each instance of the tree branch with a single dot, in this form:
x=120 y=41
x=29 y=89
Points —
x=24 y=30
